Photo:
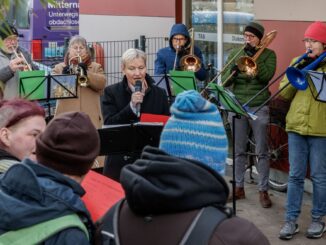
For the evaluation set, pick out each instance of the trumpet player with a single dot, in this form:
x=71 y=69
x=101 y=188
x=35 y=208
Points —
x=12 y=59
x=244 y=86
x=78 y=60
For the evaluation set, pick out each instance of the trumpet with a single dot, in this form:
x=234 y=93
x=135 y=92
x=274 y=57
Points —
x=27 y=66
x=77 y=70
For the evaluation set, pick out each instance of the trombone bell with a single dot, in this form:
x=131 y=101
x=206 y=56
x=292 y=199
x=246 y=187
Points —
x=190 y=62
x=297 y=78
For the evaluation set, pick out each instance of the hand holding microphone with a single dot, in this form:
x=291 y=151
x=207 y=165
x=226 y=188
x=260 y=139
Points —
x=137 y=97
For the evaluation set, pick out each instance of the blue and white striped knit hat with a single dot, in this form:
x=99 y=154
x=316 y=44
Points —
x=195 y=131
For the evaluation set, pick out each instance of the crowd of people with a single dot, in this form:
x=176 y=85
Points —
x=169 y=189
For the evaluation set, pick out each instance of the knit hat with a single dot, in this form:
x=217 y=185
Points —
x=14 y=110
x=195 y=131
x=255 y=28
x=316 y=31
x=7 y=30
x=69 y=144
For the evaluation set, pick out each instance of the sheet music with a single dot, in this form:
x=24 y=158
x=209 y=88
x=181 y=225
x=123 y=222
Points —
x=319 y=81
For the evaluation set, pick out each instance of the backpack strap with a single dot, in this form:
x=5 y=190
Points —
x=38 y=233
x=109 y=230
x=203 y=226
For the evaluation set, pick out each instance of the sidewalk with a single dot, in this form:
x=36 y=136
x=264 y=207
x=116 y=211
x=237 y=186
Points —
x=270 y=220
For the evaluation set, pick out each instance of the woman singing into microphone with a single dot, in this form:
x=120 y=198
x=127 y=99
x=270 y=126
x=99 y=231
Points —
x=121 y=101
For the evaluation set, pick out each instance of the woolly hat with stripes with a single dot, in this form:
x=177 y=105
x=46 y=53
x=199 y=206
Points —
x=195 y=131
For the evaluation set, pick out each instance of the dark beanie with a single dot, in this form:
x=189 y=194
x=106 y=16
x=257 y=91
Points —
x=7 y=30
x=69 y=144
x=255 y=28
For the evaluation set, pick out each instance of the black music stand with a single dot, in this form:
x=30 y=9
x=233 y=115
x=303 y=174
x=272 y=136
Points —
x=124 y=143
x=163 y=81
x=227 y=101
x=317 y=84
x=35 y=85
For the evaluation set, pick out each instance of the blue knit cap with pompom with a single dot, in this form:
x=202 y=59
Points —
x=195 y=131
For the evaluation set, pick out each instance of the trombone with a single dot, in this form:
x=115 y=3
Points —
x=27 y=66
x=245 y=64
x=248 y=64
x=296 y=77
x=190 y=62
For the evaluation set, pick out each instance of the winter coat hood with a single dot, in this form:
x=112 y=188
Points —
x=31 y=193
x=179 y=29
x=159 y=183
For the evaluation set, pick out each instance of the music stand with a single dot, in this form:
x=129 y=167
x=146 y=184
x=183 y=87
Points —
x=317 y=85
x=163 y=82
x=227 y=101
x=182 y=81
x=35 y=85
x=32 y=85
x=123 y=144
x=128 y=138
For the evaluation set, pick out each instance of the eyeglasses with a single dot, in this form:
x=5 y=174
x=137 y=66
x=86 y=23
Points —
x=249 y=36
x=179 y=39
x=310 y=41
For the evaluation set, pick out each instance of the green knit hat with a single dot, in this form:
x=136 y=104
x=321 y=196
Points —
x=255 y=28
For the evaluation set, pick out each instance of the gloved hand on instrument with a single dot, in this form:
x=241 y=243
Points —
x=66 y=70
x=84 y=67
x=235 y=69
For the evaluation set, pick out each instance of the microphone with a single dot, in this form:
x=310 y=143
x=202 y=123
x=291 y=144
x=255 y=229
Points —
x=138 y=88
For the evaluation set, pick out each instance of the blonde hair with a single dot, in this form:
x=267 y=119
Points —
x=131 y=54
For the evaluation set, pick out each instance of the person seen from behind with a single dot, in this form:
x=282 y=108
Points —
x=170 y=186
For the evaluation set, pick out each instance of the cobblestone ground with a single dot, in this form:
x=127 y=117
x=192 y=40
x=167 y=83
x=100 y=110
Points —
x=270 y=220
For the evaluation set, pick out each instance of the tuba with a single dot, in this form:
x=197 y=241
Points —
x=77 y=70
x=190 y=62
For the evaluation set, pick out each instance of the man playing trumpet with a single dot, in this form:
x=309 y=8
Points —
x=12 y=59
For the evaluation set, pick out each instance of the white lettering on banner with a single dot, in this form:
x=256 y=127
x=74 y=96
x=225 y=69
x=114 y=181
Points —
x=212 y=37
x=64 y=14
x=64 y=5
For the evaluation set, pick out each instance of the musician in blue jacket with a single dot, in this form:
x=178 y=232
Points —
x=168 y=58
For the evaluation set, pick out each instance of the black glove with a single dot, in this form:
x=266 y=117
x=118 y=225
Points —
x=250 y=51
x=235 y=69
x=66 y=70
x=84 y=67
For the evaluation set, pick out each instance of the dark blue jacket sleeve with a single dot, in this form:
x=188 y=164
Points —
x=160 y=67
x=201 y=73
